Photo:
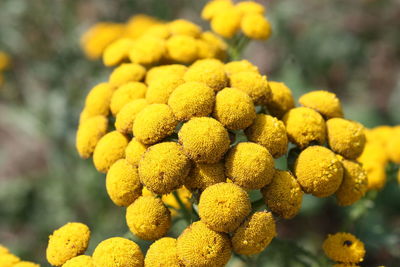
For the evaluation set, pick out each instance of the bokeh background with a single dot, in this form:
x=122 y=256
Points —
x=349 y=47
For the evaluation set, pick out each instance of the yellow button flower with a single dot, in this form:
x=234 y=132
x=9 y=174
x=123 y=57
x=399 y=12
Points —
x=117 y=52
x=127 y=115
x=80 y=261
x=147 y=50
x=126 y=93
x=159 y=31
x=373 y=160
x=256 y=26
x=160 y=72
x=163 y=253
x=244 y=65
x=281 y=101
x=89 y=133
x=344 y=247
x=184 y=27
x=8 y=260
x=139 y=24
x=214 y=7
x=219 y=47
x=202 y=176
x=161 y=88
x=208 y=71
x=182 y=48
x=98 y=100
x=26 y=264
x=324 y=102
x=226 y=22
x=134 y=151
x=127 y=72
x=250 y=7
x=393 y=145
x=109 y=149
x=255 y=85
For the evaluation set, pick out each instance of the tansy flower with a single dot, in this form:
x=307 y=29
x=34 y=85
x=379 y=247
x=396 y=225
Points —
x=345 y=137
x=127 y=72
x=8 y=260
x=281 y=100
x=344 y=247
x=182 y=48
x=354 y=184
x=224 y=206
x=162 y=253
x=199 y=246
x=153 y=123
x=148 y=218
x=164 y=167
x=117 y=251
x=171 y=202
x=138 y=25
x=191 y=99
x=184 y=27
x=226 y=22
x=318 y=171
x=234 y=67
x=393 y=145
x=159 y=30
x=204 y=140
x=122 y=183
x=255 y=85
x=127 y=115
x=217 y=47
x=208 y=71
x=67 y=242
x=283 y=195
x=126 y=93
x=79 y=261
x=134 y=151
x=160 y=89
x=147 y=50
x=109 y=149
x=3 y=250
x=5 y=61
x=256 y=26
x=250 y=7
x=26 y=264
x=89 y=133
x=213 y=7
x=98 y=100
x=202 y=176
x=160 y=72
x=254 y=234
x=117 y=52
x=304 y=126
x=234 y=109
x=270 y=133
x=249 y=165
x=324 y=102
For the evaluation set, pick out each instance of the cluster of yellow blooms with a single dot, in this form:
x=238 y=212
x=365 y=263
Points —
x=10 y=260
x=4 y=64
x=344 y=248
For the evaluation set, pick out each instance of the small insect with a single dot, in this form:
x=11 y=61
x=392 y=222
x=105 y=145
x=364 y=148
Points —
x=347 y=243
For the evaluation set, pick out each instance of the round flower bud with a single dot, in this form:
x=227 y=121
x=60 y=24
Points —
x=98 y=100
x=318 y=171
x=160 y=89
x=283 y=195
x=344 y=247
x=244 y=65
x=255 y=85
x=154 y=123
x=125 y=94
x=250 y=7
x=89 y=133
x=281 y=101
x=219 y=46
x=134 y=151
x=164 y=167
x=67 y=242
x=127 y=72
x=208 y=71
x=127 y=115
x=234 y=109
x=184 y=27
x=204 y=140
x=122 y=183
x=224 y=206
x=25 y=264
x=212 y=8
x=324 y=102
x=182 y=48
x=161 y=72
x=304 y=126
x=345 y=137
x=226 y=22
x=393 y=145
x=109 y=149
x=79 y=261
x=8 y=260
x=207 y=50
x=269 y=132
x=256 y=26
x=354 y=184
x=162 y=253
x=191 y=99
x=147 y=50
x=249 y=165
x=148 y=218
x=254 y=234
x=118 y=251
x=199 y=246
x=202 y=176
x=117 y=52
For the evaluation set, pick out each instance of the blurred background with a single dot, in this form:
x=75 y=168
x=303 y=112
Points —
x=349 y=47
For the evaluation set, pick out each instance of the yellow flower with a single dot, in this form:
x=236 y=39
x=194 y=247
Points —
x=138 y=25
x=191 y=99
x=109 y=149
x=159 y=31
x=347 y=265
x=147 y=50
x=255 y=85
x=67 y=242
x=255 y=234
x=354 y=184
x=148 y=218
x=26 y=264
x=117 y=251
x=117 y=51
x=249 y=165
x=226 y=22
x=127 y=72
x=163 y=253
x=170 y=200
x=324 y=102
x=184 y=27
x=270 y=133
x=304 y=126
x=3 y=250
x=182 y=48
x=164 y=167
x=5 y=61
x=80 y=261
x=234 y=67
x=281 y=101
x=224 y=206
x=160 y=72
x=126 y=93
x=283 y=195
x=250 y=7
x=202 y=176
x=127 y=115
x=208 y=71
x=204 y=140
x=217 y=48
x=256 y=26
x=160 y=89
x=393 y=145
x=214 y=7
x=199 y=246
x=344 y=247
x=318 y=171
x=153 y=123
x=122 y=183
x=89 y=133
x=8 y=260
x=98 y=100
x=134 y=151
x=234 y=109
x=345 y=137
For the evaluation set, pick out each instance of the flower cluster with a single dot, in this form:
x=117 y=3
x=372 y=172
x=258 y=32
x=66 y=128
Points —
x=4 y=64
x=7 y=259
x=344 y=248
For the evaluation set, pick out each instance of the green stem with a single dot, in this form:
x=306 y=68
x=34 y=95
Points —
x=257 y=204
x=185 y=212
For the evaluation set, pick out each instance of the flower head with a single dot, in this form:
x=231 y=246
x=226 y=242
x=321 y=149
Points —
x=324 y=102
x=208 y=71
x=256 y=26
x=79 y=261
x=125 y=94
x=255 y=85
x=127 y=72
x=182 y=48
x=244 y=65
x=161 y=88
x=134 y=151
x=127 y=115
x=147 y=50
x=344 y=247
x=98 y=100
x=202 y=176
x=281 y=100
x=109 y=149
x=89 y=133
x=162 y=253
